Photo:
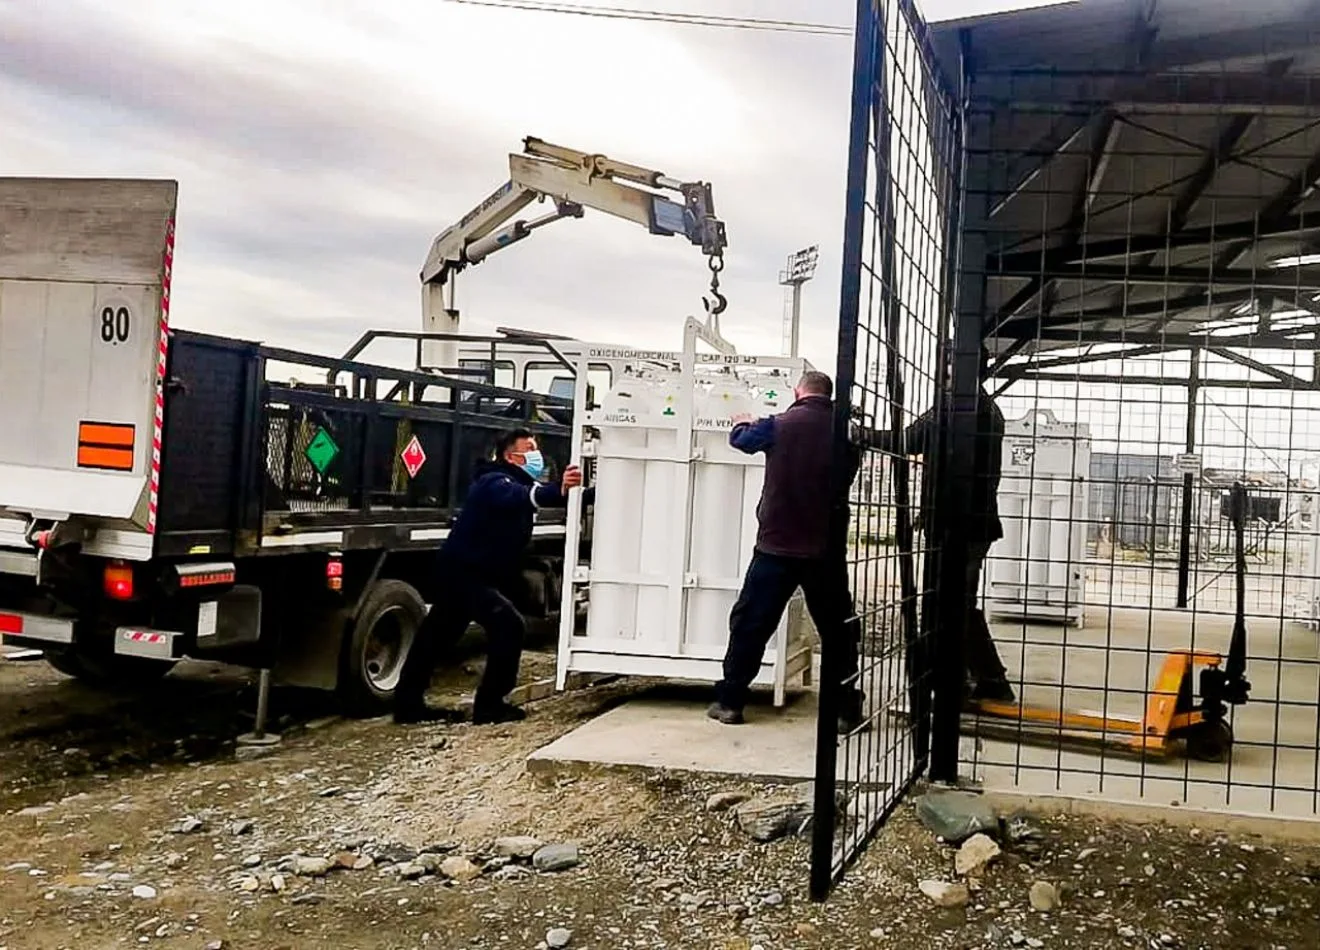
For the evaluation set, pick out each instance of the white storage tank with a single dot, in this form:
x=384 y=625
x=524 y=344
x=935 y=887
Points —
x=1037 y=571
x=675 y=519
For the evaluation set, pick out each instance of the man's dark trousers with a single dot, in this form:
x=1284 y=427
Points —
x=983 y=662
x=461 y=600
x=770 y=582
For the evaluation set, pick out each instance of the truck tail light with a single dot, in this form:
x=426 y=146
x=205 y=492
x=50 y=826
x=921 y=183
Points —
x=334 y=573
x=118 y=580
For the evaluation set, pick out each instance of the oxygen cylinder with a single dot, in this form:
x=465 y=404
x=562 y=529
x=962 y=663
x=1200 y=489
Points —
x=617 y=523
x=659 y=534
x=715 y=554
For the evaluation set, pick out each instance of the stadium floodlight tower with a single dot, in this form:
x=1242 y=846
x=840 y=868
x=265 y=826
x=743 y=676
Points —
x=801 y=267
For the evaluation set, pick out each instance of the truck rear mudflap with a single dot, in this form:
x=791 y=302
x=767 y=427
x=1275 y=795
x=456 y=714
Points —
x=84 y=311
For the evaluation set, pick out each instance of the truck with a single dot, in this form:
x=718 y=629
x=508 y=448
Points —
x=168 y=493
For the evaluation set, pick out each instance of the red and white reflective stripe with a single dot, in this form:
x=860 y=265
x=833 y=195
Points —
x=161 y=355
x=143 y=636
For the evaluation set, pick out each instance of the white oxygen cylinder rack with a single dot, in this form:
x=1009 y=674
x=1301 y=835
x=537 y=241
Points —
x=674 y=526
x=1037 y=571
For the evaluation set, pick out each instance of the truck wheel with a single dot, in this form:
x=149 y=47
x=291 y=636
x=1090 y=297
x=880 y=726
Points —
x=377 y=646
x=108 y=671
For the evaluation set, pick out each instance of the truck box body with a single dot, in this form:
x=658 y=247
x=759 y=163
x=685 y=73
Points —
x=84 y=278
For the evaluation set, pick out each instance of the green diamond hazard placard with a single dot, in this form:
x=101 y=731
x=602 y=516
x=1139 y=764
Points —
x=321 y=451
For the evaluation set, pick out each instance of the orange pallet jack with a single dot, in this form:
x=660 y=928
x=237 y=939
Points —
x=1175 y=716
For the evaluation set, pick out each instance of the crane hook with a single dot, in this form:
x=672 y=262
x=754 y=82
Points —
x=715 y=302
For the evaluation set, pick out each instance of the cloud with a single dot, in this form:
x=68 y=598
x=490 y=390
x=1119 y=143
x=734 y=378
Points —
x=321 y=144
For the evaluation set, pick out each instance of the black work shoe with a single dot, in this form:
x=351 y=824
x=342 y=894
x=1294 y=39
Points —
x=489 y=714
x=725 y=714
x=413 y=715
x=994 y=690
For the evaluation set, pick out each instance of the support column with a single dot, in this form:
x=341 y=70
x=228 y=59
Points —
x=1189 y=480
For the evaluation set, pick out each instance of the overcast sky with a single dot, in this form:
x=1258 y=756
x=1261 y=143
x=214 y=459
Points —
x=321 y=144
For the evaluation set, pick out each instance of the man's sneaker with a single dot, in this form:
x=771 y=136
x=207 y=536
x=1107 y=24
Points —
x=725 y=714
x=492 y=713
x=995 y=690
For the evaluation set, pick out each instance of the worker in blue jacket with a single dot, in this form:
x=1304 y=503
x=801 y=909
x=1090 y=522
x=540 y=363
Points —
x=480 y=562
x=794 y=548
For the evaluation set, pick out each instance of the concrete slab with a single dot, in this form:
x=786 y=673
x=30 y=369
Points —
x=667 y=729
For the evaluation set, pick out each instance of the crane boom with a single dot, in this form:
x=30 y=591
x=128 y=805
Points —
x=573 y=181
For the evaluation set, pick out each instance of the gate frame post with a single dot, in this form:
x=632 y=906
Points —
x=867 y=46
x=958 y=440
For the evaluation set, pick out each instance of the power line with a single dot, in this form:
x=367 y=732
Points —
x=662 y=16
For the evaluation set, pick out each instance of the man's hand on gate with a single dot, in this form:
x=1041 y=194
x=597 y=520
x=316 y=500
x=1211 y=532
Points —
x=743 y=417
x=572 y=478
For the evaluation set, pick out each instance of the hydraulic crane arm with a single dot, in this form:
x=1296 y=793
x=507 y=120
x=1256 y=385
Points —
x=575 y=181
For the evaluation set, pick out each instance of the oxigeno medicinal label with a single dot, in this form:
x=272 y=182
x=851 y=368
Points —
x=620 y=353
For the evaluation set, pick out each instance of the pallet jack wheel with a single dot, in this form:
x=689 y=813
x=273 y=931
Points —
x=1210 y=742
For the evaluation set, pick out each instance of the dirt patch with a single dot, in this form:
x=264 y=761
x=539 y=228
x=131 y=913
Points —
x=656 y=868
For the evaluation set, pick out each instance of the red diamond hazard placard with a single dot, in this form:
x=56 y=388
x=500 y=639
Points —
x=413 y=457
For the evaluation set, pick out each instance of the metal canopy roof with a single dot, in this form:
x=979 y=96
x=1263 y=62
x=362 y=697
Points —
x=1148 y=164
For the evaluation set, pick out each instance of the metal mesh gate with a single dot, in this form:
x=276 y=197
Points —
x=895 y=318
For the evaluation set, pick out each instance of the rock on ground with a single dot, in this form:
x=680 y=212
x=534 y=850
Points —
x=410 y=870
x=518 y=846
x=312 y=867
x=459 y=869
x=975 y=855
x=558 y=937
x=945 y=894
x=780 y=814
x=556 y=857
x=723 y=801
x=1044 y=896
x=956 y=816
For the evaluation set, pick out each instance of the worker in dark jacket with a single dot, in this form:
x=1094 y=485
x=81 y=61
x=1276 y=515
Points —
x=792 y=549
x=981 y=529
x=479 y=563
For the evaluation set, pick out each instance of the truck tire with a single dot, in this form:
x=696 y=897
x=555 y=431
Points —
x=108 y=671
x=377 y=645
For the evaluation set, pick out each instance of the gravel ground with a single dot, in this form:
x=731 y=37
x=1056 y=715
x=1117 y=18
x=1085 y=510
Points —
x=128 y=822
